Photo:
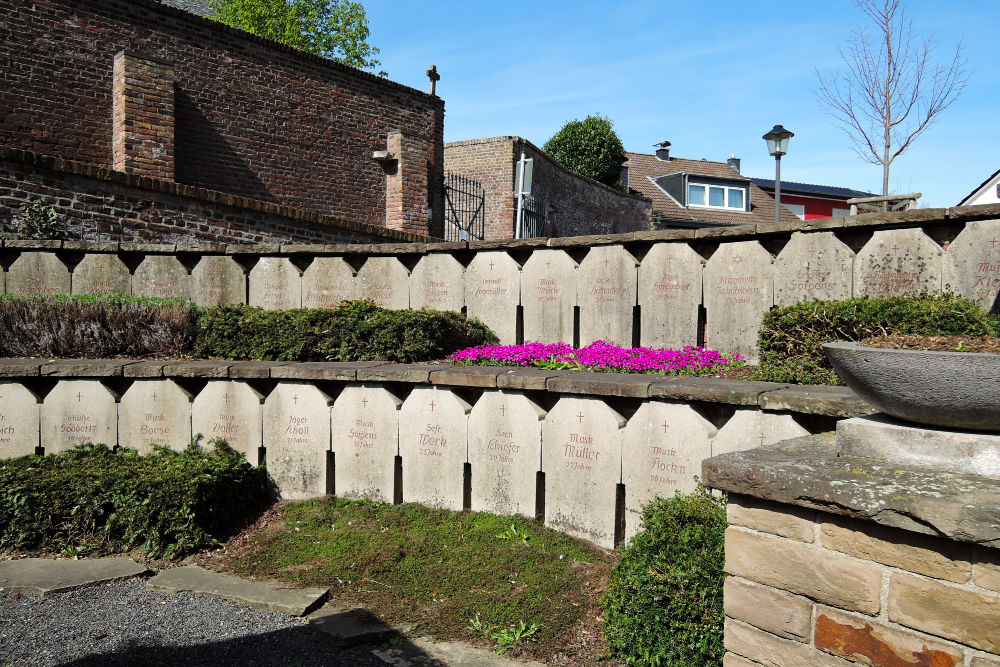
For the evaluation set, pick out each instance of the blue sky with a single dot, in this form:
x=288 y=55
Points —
x=710 y=77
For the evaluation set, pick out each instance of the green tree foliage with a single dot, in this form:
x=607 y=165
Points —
x=335 y=29
x=589 y=147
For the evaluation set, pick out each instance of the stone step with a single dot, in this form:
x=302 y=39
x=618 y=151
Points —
x=43 y=576
x=425 y=652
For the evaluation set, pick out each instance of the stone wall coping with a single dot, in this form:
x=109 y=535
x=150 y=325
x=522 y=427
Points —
x=807 y=472
x=769 y=396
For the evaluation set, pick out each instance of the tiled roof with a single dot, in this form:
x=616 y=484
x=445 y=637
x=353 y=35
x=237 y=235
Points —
x=831 y=191
x=643 y=167
x=199 y=7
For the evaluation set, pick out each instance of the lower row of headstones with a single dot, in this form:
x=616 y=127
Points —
x=356 y=445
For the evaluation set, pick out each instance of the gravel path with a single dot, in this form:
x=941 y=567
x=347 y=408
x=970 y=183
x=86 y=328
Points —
x=122 y=623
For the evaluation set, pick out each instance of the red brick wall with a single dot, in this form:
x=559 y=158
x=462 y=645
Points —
x=492 y=163
x=142 y=130
x=252 y=117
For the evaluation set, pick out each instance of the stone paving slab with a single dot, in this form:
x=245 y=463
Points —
x=84 y=367
x=254 y=369
x=425 y=652
x=350 y=627
x=43 y=576
x=260 y=594
x=713 y=390
x=323 y=370
x=468 y=376
x=202 y=368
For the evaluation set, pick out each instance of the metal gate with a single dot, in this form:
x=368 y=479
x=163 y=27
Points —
x=464 y=215
x=533 y=214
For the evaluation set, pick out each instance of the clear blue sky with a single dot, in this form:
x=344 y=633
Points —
x=710 y=77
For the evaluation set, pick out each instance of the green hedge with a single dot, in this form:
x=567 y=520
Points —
x=663 y=603
x=791 y=338
x=95 y=500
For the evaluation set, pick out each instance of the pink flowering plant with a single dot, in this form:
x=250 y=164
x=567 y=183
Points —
x=599 y=356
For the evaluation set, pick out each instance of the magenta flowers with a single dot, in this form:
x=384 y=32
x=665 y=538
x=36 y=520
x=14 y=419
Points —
x=598 y=356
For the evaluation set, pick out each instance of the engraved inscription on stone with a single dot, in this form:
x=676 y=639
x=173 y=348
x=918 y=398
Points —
x=492 y=293
x=326 y=282
x=275 y=284
x=898 y=262
x=669 y=296
x=19 y=413
x=606 y=292
x=364 y=431
x=161 y=276
x=231 y=411
x=154 y=412
x=436 y=283
x=738 y=291
x=972 y=264
x=582 y=459
x=38 y=273
x=548 y=295
x=297 y=440
x=385 y=281
x=505 y=441
x=433 y=443
x=77 y=412
x=748 y=429
x=813 y=266
x=101 y=273
x=218 y=280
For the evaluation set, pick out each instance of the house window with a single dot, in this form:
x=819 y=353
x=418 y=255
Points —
x=716 y=196
x=841 y=212
x=798 y=209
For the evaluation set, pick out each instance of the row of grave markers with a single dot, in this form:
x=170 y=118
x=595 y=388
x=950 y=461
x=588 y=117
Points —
x=738 y=284
x=584 y=447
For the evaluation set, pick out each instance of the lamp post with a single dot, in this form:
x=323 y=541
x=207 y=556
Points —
x=777 y=145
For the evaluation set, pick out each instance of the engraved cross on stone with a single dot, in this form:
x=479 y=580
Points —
x=665 y=426
x=295 y=398
x=364 y=402
x=433 y=75
x=761 y=439
x=227 y=398
x=77 y=397
x=432 y=406
x=993 y=242
x=895 y=248
x=580 y=417
x=503 y=409
x=154 y=397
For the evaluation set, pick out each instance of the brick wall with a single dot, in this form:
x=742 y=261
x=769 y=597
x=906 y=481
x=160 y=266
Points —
x=252 y=118
x=492 y=163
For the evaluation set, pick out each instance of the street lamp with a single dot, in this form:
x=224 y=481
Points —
x=777 y=145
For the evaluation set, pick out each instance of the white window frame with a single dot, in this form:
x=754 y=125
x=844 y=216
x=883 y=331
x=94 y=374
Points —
x=725 y=196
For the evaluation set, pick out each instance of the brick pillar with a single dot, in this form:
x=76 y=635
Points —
x=142 y=134
x=406 y=187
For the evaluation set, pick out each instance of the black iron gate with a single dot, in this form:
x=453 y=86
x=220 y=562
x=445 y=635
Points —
x=533 y=214
x=464 y=214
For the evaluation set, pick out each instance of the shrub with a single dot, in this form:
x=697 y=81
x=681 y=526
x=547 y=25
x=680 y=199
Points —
x=354 y=331
x=94 y=499
x=589 y=147
x=39 y=221
x=791 y=338
x=663 y=603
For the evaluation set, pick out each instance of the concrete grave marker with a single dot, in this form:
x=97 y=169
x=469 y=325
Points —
x=898 y=262
x=813 y=266
x=38 y=273
x=77 y=412
x=364 y=432
x=327 y=282
x=972 y=263
x=297 y=440
x=606 y=293
x=233 y=412
x=437 y=283
x=492 y=293
x=505 y=446
x=385 y=281
x=548 y=295
x=275 y=284
x=433 y=443
x=101 y=273
x=19 y=420
x=669 y=296
x=748 y=429
x=161 y=276
x=154 y=412
x=217 y=280
x=582 y=461
x=738 y=291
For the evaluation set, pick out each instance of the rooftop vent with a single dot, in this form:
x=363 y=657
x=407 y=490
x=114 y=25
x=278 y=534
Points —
x=734 y=162
x=663 y=150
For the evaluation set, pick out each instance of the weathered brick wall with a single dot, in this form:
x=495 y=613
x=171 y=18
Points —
x=252 y=117
x=811 y=588
x=492 y=163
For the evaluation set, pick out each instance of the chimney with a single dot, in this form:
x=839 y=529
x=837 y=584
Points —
x=734 y=162
x=663 y=151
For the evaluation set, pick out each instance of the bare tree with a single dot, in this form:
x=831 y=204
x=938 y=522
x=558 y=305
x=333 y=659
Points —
x=892 y=90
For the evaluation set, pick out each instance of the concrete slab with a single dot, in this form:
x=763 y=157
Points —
x=260 y=594
x=43 y=576
x=425 y=652
x=350 y=627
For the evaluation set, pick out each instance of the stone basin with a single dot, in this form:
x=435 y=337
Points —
x=950 y=389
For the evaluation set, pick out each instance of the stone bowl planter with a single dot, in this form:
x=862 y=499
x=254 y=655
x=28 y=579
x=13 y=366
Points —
x=947 y=389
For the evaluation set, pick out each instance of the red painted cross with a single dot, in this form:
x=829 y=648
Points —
x=491 y=265
x=580 y=417
x=77 y=397
x=154 y=397
x=548 y=265
x=665 y=426
x=295 y=398
x=503 y=409
x=606 y=260
x=364 y=402
x=895 y=248
x=432 y=406
x=762 y=439
x=993 y=242
x=812 y=251
x=227 y=397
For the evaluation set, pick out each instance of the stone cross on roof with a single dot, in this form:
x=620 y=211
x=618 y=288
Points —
x=433 y=75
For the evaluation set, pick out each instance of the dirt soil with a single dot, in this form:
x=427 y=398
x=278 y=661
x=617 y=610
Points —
x=988 y=344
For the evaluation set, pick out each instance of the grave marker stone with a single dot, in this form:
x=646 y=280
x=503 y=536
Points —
x=669 y=296
x=233 y=412
x=217 y=280
x=972 y=264
x=492 y=293
x=385 y=281
x=663 y=447
x=738 y=291
x=813 y=266
x=748 y=429
x=582 y=459
x=101 y=273
x=437 y=283
x=433 y=443
x=606 y=293
x=297 y=440
x=327 y=282
x=898 y=262
x=161 y=276
x=365 y=438
x=548 y=295
x=19 y=420
x=275 y=284
x=505 y=446
x=77 y=412
x=154 y=412
x=38 y=273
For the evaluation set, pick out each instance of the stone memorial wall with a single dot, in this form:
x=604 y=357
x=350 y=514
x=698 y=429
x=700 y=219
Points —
x=738 y=289
x=493 y=292
x=218 y=280
x=101 y=274
x=548 y=296
x=77 y=412
x=326 y=282
x=297 y=440
x=437 y=283
x=669 y=295
x=433 y=444
x=38 y=273
x=364 y=432
x=606 y=294
x=275 y=284
x=154 y=412
x=19 y=415
x=385 y=281
x=231 y=411
x=162 y=277
x=898 y=262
